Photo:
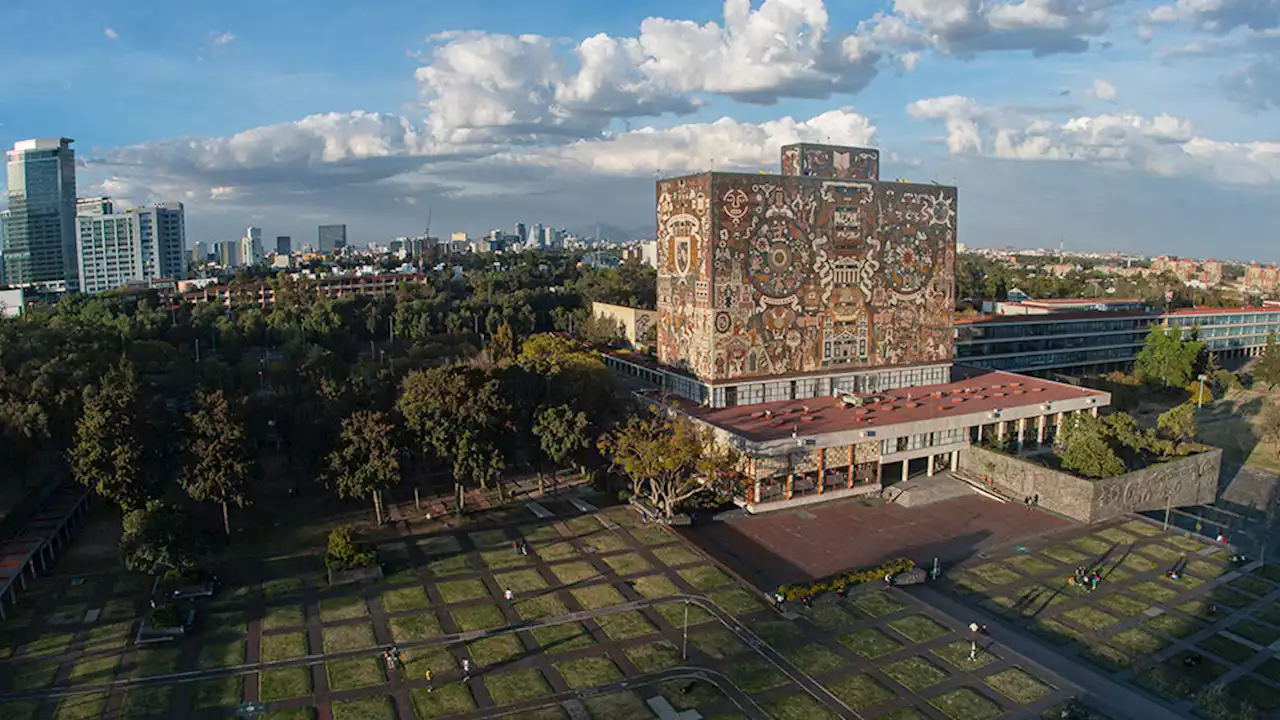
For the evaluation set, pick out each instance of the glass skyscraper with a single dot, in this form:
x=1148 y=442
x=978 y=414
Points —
x=40 y=224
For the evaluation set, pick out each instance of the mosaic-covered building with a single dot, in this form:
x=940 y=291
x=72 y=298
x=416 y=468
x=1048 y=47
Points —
x=815 y=281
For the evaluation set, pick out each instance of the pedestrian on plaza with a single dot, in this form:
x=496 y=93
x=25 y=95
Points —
x=1094 y=580
x=778 y=599
x=973 y=649
x=524 y=547
x=515 y=546
x=973 y=627
x=982 y=630
x=510 y=596
x=466 y=669
x=430 y=683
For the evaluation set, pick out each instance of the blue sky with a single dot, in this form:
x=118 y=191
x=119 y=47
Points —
x=1110 y=124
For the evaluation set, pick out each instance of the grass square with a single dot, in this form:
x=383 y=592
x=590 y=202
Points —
x=1019 y=685
x=994 y=574
x=283 y=616
x=588 y=672
x=704 y=577
x=676 y=555
x=1030 y=565
x=815 y=658
x=1065 y=554
x=654 y=586
x=627 y=564
x=860 y=691
x=654 y=656
x=584 y=525
x=617 y=705
x=374 y=708
x=32 y=675
x=1269 y=669
x=965 y=703
x=1139 y=563
x=1226 y=648
x=716 y=642
x=594 y=597
x=516 y=685
x=607 y=542
x=1255 y=631
x=346 y=607
x=490 y=539
x=94 y=670
x=495 y=650
x=155 y=661
x=574 y=572
x=446 y=565
x=281 y=587
x=796 y=706
x=1139 y=641
x=755 y=675
x=736 y=601
x=108 y=637
x=521 y=581
x=282 y=646
x=354 y=673
x=146 y=702
x=220 y=692
x=1089 y=617
x=1108 y=658
x=538 y=532
x=956 y=654
x=1257 y=694
x=552 y=552
x=915 y=673
x=445 y=701
x=869 y=642
x=626 y=625
x=965 y=584
x=918 y=628
x=1115 y=535
x=831 y=617
x=216 y=655
x=418 y=626
x=1094 y=546
x=678 y=613
x=1145 y=529
x=1152 y=591
x=503 y=558
x=1162 y=552
x=1055 y=632
x=81 y=707
x=478 y=617
x=1176 y=625
x=1122 y=604
x=562 y=637
x=49 y=644
x=538 y=607
x=284 y=683
x=1252 y=584
x=1167 y=680
x=1232 y=598
x=877 y=603
x=777 y=631
x=413 y=597
x=340 y=638
x=456 y=591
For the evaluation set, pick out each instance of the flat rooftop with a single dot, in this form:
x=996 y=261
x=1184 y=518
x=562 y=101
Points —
x=972 y=390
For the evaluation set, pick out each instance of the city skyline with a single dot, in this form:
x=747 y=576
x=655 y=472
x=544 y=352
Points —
x=1154 y=119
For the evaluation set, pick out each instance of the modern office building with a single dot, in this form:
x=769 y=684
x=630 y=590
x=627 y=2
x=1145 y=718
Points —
x=139 y=245
x=39 y=227
x=251 y=246
x=807 y=318
x=95 y=206
x=228 y=253
x=284 y=245
x=331 y=237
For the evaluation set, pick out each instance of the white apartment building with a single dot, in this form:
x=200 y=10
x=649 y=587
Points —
x=136 y=245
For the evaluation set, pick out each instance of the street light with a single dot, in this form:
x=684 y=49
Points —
x=1200 y=395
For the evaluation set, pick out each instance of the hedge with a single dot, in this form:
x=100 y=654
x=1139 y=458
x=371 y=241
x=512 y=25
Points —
x=844 y=580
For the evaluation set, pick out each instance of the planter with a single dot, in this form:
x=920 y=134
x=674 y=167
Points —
x=346 y=577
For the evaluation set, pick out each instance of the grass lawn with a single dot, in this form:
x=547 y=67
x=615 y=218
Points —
x=538 y=531
x=1122 y=604
x=478 y=617
x=354 y=673
x=562 y=637
x=109 y=637
x=777 y=631
x=284 y=683
x=675 y=613
x=283 y=616
x=627 y=564
x=704 y=577
x=374 y=708
x=1115 y=535
x=1175 y=625
x=1152 y=591
x=340 y=638
x=755 y=675
x=521 y=581
x=1054 y=631
x=1019 y=685
x=607 y=542
x=966 y=704
x=92 y=670
x=145 y=702
x=1139 y=563
x=1162 y=552
x=1252 y=584
x=516 y=685
x=829 y=616
x=82 y=707
x=1269 y=669
x=220 y=655
x=556 y=551
x=1231 y=597
x=155 y=661
x=494 y=650
x=676 y=555
x=1226 y=648
x=282 y=646
x=1206 y=569
x=716 y=642
x=444 y=701
x=1139 y=641
x=1167 y=679
x=626 y=625
x=915 y=673
x=1088 y=617
x=281 y=587
x=222 y=692
x=860 y=691
x=877 y=602
x=655 y=586
x=736 y=601
x=956 y=654
x=796 y=706
x=1258 y=694
x=654 y=656
x=418 y=626
x=413 y=597
x=1030 y=565
x=444 y=566
x=918 y=628
x=815 y=658
x=456 y=591
x=574 y=572
x=342 y=608
x=1092 y=545
x=1138 y=527
x=504 y=558
x=1106 y=657
x=617 y=705
x=538 y=607
x=1255 y=631
x=52 y=644
x=588 y=672
x=1066 y=555
x=490 y=539
x=869 y=642
x=593 y=597
x=29 y=675
x=965 y=584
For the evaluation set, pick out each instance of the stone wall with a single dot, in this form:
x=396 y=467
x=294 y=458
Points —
x=1192 y=480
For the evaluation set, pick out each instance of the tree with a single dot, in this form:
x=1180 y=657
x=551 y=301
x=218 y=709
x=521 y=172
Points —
x=1084 y=447
x=108 y=455
x=156 y=538
x=1268 y=424
x=1179 y=423
x=1167 y=359
x=1267 y=369
x=218 y=454
x=562 y=434
x=365 y=462
x=668 y=459
x=502 y=348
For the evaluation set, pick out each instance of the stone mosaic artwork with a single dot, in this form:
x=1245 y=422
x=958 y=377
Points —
x=763 y=275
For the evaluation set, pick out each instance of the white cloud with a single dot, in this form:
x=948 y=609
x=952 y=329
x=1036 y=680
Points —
x=111 y=34
x=1162 y=145
x=1219 y=16
x=225 y=38
x=1103 y=90
x=1043 y=27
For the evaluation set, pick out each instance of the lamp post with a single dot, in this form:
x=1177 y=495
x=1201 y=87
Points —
x=684 y=641
x=1200 y=395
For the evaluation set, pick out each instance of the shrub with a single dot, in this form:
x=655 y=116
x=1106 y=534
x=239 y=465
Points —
x=843 y=580
x=166 y=616
x=345 y=554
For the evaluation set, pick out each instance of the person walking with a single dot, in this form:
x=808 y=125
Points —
x=466 y=669
x=510 y=596
x=430 y=683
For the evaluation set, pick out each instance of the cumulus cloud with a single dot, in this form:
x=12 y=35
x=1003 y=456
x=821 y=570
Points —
x=1043 y=27
x=1103 y=90
x=111 y=34
x=1219 y=16
x=1161 y=145
x=225 y=38
x=1257 y=85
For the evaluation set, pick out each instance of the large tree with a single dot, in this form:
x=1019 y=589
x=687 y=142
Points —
x=1179 y=423
x=1268 y=424
x=365 y=462
x=1267 y=369
x=1084 y=447
x=219 y=460
x=1167 y=359
x=667 y=459
x=563 y=434
x=156 y=538
x=110 y=448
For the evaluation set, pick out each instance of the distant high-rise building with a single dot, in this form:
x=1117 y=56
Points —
x=284 y=245
x=227 y=252
x=522 y=233
x=251 y=246
x=40 y=225
x=535 y=235
x=549 y=238
x=95 y=206
x=199 y=252
x=332 y=237
x=137 y=245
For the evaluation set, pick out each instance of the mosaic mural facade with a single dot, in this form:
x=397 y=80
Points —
x=766 y=275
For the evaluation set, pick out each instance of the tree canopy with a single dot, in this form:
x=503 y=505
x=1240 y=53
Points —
x=219 y=462
x=667 y=460
x=1167 y=359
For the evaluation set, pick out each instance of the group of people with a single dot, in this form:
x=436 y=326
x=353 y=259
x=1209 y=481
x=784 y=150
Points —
x=392 y=658
x=520 y=547
x=1086 y=578
x=431 y=680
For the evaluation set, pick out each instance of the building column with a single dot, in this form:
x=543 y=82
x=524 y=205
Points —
x=822 y=469
x=1057 y=427
x=1094 y=411
x=929 y=471
x=880 y=473
x=981 y=426
x=955 y=460
x=756 y=498
x=906 y=469
x=1001 y=427
x=1022 y=432
x=1039 y=430
x=789 y=476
